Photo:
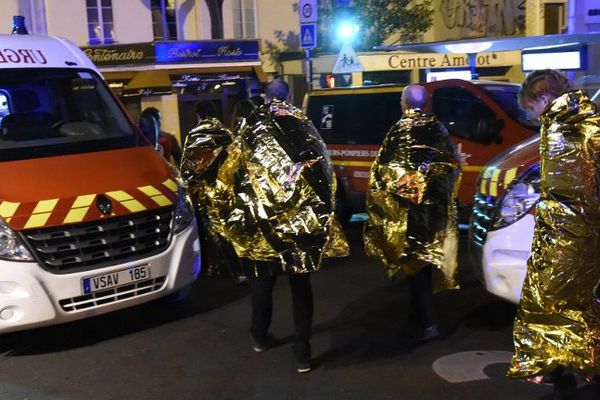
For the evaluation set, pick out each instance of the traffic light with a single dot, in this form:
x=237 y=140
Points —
x=330 y=80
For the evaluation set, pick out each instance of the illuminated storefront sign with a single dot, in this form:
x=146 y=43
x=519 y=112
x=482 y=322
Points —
x=570 y=57
x=441 y=75
x=137 y=53
x=201 y=51
x=404 y=61
x=408 y=61
x=207 y=51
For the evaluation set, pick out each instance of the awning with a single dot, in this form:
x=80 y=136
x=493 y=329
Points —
x=260 y=74
x=149 y=79
x=159 y=76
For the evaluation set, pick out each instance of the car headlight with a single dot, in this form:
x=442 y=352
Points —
x=519 y=198
x=11 y=246
x=184 y=214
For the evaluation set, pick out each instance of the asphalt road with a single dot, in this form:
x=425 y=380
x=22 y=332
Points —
x=364 y=346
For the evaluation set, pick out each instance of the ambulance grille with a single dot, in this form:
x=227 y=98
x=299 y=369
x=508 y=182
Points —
x=111 y=295
x=481 y=219
x=90 y=245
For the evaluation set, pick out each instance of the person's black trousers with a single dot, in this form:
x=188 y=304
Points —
x=261 y=289
x=421 y=295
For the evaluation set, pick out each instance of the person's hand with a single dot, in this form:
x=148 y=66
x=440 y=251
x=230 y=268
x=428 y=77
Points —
x=462 y=157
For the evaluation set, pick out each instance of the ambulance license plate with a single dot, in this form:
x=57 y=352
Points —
x=113 y=279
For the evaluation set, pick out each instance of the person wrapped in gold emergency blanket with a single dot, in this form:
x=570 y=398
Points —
x=411 y=206
x=205 y=150
x=557 y=327
x=273 y=201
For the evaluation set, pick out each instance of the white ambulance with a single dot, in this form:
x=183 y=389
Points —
x=92 y=218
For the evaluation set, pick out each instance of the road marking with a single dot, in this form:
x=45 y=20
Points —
x=468 y=366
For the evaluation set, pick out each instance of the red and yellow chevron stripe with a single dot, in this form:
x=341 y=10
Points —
x=494 y=180
x=55 y=212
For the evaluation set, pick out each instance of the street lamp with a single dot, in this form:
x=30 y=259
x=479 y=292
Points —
x=346 y=27
x=347 y=30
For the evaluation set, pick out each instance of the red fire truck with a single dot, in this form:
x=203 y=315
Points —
x=482 y=117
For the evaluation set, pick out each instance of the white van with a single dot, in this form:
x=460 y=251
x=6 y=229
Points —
x=92 y=218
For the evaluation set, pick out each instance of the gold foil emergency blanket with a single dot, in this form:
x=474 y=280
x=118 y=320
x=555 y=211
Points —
x=204 y=151
x=411 y=200
x=202 y=147
x=273 y=197
x=558 y=322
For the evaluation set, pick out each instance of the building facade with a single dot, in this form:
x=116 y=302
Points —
x=455 y=20
x=91 y=22
x=112 y=25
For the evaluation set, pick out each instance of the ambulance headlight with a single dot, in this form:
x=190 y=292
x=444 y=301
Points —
x=519 y=198
x=11 y=246
x=184 y=212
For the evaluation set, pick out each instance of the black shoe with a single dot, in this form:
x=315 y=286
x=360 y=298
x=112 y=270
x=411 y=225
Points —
x=565 y=383
x=430 y=333
x=241 y=279
x=304 y=367
x=259 y=345
x=302 y=354
x=554 y=376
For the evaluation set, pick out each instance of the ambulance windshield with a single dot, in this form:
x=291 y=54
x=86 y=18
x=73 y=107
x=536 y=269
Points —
x=52 y=112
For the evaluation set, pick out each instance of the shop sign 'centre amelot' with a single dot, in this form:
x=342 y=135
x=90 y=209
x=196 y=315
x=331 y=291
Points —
x=436 y=60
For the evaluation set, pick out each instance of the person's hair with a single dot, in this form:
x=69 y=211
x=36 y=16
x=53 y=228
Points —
x=206 y=109
x=243 y=109
x=544 y=82
x=257 y=100
x=277 y=89
x=153 y=112
x=145 y=122
x=414 y=96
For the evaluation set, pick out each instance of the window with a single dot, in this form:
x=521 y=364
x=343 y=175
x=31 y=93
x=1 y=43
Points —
x=51 y=112
x=243 y=19
x=507 y=98
x=164 y=23
x=463 y=113
x=554 y=18
x=100 y=21
x=383 y=77
x=4 y=108
x=354 y=119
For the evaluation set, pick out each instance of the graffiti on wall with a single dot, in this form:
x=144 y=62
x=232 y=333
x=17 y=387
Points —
x=485 y=17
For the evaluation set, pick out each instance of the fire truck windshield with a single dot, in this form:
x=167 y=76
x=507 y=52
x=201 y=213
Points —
x=52 y=112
